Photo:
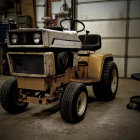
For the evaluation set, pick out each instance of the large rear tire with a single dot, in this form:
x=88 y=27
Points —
x=9 y=97
x=74 y=102
x=106 y=89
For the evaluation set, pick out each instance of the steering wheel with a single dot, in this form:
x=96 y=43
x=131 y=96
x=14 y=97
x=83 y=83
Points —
x=72 y=24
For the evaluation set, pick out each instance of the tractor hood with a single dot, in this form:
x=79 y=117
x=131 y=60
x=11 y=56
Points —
x=42 y=38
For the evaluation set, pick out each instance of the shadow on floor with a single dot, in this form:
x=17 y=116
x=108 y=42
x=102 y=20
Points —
x=46 y=112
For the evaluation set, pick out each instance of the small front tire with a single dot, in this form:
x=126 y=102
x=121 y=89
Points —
x=9 y=97
x=74 y=102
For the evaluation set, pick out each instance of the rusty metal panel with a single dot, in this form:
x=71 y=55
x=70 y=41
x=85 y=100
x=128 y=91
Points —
x=47 y=67
x=49 y=63
x=31 y=83
x=133 y=66
x=95 y=65
x=105 y=10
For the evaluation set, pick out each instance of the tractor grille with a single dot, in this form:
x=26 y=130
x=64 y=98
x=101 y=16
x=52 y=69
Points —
x=27 y=64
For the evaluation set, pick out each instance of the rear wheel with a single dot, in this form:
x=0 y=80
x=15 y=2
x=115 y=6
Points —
x=106 y=89
x=9 y=97
x=74 y=102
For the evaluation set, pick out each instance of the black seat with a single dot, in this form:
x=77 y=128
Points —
x=92 y=42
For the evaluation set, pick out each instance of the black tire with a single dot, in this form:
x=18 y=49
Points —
x=9 y=97
x=62 y=61
x=70 y=102
x=106 y=89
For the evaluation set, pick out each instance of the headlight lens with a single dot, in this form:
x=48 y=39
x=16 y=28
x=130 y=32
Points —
x=14 y=38
x=37 y=38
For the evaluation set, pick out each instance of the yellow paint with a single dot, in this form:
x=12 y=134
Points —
x=95 y=65
x=31 y=83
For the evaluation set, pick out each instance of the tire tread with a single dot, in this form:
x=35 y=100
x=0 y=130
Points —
x=102 y=89
x=66 y=108
x=6 y=97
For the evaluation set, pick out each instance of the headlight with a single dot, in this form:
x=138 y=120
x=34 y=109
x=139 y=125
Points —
x=37 y=38
x=14 y=39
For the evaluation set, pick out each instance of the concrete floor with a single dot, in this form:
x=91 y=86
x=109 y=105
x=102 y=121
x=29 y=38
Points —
x=103 y=121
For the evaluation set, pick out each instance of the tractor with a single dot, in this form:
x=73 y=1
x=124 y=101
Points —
x=56 y=64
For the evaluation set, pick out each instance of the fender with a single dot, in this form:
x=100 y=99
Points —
x=95 y=65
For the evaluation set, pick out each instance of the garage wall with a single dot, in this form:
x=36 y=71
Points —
x=134 y=41
x=41 y=9
x=118 y=22
x=56 y=6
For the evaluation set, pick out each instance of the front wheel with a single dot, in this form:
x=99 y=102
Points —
x=106 y=89
x=74 y=102
x=9 y=97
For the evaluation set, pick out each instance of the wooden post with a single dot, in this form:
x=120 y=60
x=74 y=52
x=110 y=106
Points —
x=49 y=8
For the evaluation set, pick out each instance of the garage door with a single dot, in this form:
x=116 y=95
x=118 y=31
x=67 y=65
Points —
x=118 y=22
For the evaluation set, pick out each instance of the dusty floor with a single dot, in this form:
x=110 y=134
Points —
x=103 y=121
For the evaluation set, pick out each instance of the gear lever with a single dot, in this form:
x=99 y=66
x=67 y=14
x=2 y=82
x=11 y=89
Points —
x=87 y=32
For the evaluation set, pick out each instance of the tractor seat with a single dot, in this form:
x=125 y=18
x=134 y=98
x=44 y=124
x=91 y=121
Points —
x=92 y=42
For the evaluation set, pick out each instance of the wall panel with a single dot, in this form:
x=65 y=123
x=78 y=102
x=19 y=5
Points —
x=114 y=46
x=135 y=8
x=101 y=10
x=134 y=28
x=120 y=64
x=134 y=47
x=118 y=22
x=133 y=66
x=106 y=28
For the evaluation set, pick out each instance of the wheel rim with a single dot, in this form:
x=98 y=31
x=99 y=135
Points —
x=114 y=81
x=81 y=103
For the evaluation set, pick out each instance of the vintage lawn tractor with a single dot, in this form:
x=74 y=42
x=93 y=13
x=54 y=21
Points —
x=51 y=65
